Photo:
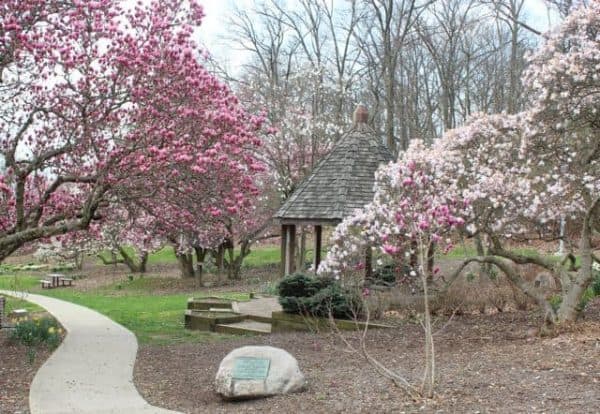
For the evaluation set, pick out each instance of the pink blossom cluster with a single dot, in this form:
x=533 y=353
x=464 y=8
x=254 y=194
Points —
x=108 y=108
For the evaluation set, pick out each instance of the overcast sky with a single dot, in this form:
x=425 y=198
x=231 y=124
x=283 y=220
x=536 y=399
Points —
x=217 y=12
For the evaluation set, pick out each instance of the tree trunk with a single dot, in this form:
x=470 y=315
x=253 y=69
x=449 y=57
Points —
x=506 y=266
x=79 y=260
x=232 y=272
x=430 y=261
x=485 y=269
x=569 y=308
x=130 y=262
x=200 y=256
x=186 y=264
x=143 y=262
x=428 y=384
x=219 y=256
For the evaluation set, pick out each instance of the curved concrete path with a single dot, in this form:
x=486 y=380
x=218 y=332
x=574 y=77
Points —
x=91 y=372
x=262 y=306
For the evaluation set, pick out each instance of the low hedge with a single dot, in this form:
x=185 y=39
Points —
x=304 y=294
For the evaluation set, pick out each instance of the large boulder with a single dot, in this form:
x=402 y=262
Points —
x=258 y=371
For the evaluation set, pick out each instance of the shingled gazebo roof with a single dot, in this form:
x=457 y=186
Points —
x=342 y=181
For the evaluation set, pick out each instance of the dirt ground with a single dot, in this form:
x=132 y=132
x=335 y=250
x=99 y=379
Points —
x=16 y=374
x=485 y=363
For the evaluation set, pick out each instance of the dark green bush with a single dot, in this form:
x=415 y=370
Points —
x=303 y=294
x=383 y=276
x=596 y=282
x=300 y=285
x=342 y=303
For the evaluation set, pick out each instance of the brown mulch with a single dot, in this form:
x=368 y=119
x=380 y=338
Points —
x=16 y=373
x=485 y=363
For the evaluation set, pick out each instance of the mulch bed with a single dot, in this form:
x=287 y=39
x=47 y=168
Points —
x=486 y=363
x=16 y=374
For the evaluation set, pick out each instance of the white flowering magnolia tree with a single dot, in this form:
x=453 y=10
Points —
x=503 y=177
x=410 y=212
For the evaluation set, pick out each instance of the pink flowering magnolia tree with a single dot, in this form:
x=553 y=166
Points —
x=104 y=104
x=562 y=148
x=128 y=236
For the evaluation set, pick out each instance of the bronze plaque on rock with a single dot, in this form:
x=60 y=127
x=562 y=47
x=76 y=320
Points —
x=248 y=368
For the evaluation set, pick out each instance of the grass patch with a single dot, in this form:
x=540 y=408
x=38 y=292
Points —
x=153 y=319
x=259 y=256
x=13 y=302
x=18 y=282
x=164 y=255
x=262 y=256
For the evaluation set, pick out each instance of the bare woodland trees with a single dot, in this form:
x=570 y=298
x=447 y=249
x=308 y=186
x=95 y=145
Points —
x=421 y=66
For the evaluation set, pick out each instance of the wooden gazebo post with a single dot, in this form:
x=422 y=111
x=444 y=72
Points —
x=288 y=249
x=318 y=242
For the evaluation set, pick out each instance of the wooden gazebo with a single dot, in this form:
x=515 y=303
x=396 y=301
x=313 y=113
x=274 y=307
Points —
x=341 y=183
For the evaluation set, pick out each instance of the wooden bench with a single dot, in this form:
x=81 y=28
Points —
x=66 y=281
x=46 y=284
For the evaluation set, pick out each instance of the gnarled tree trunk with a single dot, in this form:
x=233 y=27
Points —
x=186 y=264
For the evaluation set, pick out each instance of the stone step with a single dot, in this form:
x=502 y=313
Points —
x=219 y=309
x=263 y=319
x=245 y=327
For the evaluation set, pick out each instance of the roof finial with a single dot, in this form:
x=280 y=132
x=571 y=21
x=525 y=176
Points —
x=361 y=114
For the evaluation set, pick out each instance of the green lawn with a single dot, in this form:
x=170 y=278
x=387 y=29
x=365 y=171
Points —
x=156 y=319
x=18 y=282
x=153 y=319
x=259 y=256
x=263 y=256
x=13 y=303
x=164 y=255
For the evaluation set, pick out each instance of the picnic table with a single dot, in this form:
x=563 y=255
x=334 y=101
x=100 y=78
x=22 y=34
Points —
x=54 y=280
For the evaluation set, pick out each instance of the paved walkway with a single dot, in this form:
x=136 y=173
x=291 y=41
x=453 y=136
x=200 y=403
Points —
x=91 y=372
x=258 y=307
